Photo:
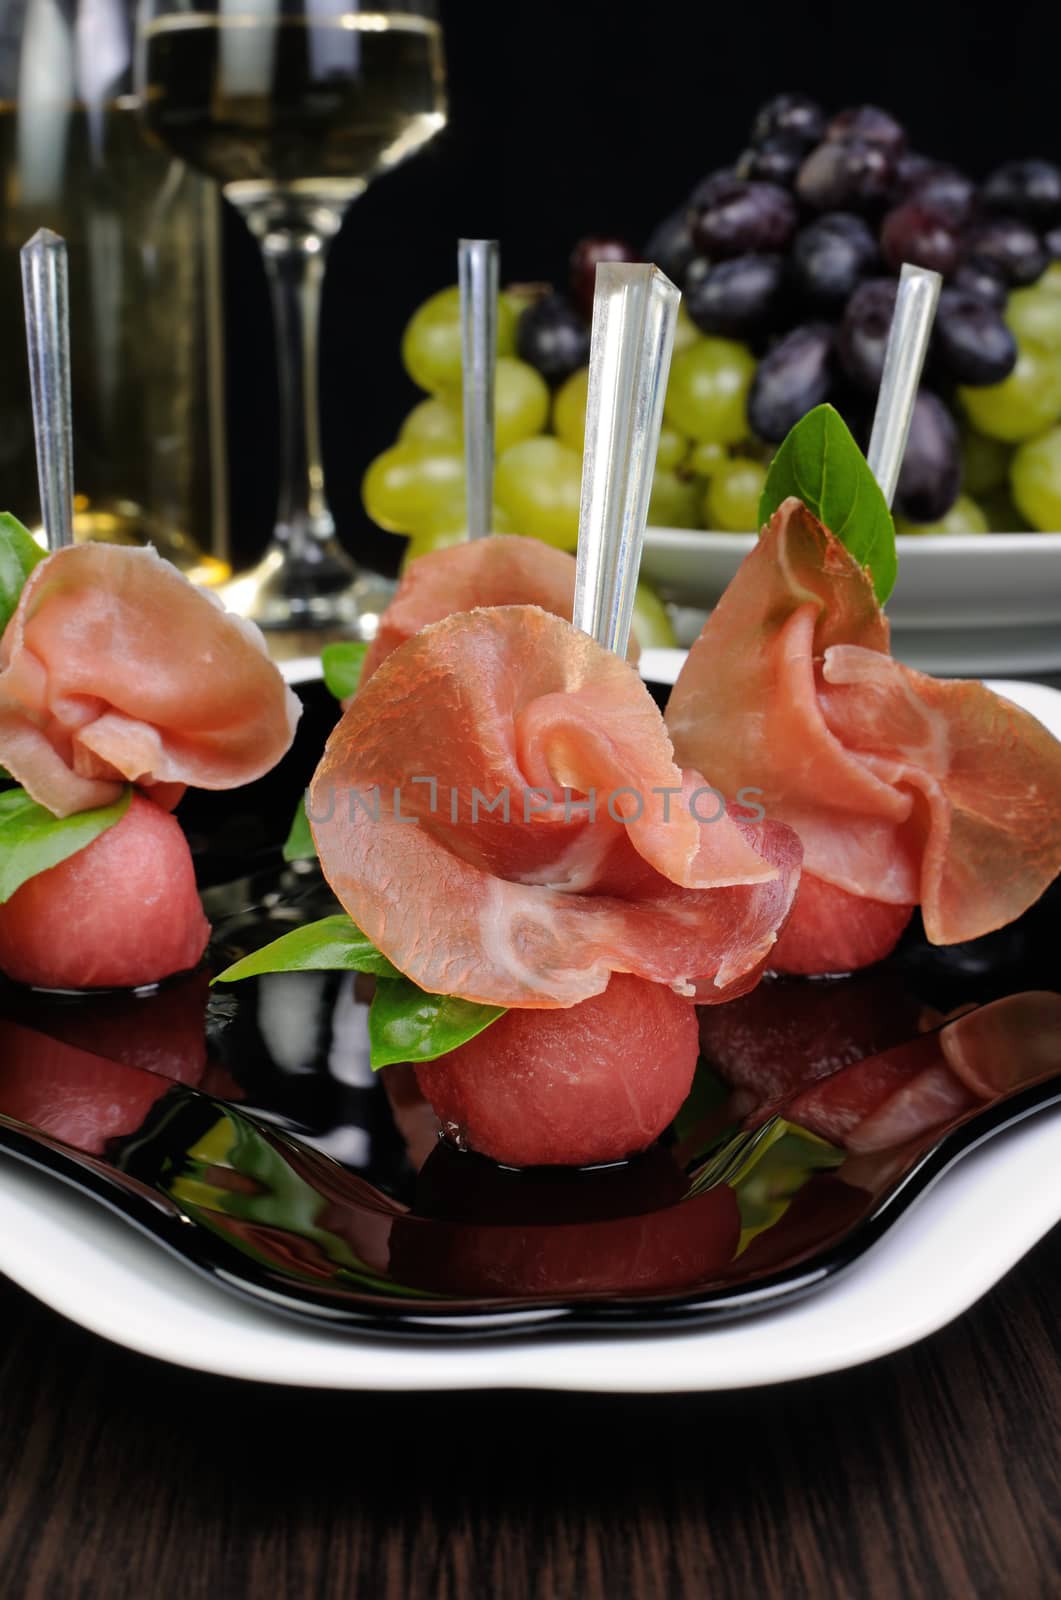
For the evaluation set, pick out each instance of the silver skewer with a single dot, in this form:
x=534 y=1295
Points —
x=46 y=299
x=477 y=261
x=904 y=357
x=635 y=310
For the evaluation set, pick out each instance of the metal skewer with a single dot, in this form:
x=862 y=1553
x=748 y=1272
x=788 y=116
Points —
x=904 y=357
x=635 y=310
x=477 y=261
x=46 y=300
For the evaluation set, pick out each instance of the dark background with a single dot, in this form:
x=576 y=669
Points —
x=571 y=117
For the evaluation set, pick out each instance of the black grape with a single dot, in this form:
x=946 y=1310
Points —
x=796 y=115
x=552 y=337
x=946 y=193
x=914 y=233
x=1010 y=245
x=776 y=160
x=671 y=245
x=846 y=174
x=931 y=473
x=871 y=124
x=985 y=281
x=972 y=340
x=864 y=331
x=744 y=217
x=1030 y=190
x=735 y=297
x=831 y=255
x=792 y=378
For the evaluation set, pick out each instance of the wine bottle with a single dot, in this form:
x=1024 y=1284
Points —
x=146 y=336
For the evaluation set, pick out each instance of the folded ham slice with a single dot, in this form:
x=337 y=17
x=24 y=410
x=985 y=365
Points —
x=114 y=669
x=904 y=790
x=504 y=570
x=512 y=707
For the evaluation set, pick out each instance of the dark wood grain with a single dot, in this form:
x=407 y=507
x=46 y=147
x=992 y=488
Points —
x=932 y=1474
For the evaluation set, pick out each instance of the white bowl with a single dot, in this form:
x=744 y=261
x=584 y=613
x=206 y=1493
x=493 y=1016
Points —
x=971 y=603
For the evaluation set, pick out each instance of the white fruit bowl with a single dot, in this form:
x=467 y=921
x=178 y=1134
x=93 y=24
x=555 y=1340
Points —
x=963 y=603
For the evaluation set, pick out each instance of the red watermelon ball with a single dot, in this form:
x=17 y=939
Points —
x=123 y=912
x=591 y=1083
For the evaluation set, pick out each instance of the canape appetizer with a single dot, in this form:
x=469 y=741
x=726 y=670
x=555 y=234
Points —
x=905 y=790
x=120 y=685
x=503 y=570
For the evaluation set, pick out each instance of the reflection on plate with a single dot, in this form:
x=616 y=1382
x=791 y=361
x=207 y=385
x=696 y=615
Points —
x=963 y=604
x=243 y=1129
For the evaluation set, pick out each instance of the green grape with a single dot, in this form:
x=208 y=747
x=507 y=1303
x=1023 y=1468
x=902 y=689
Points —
x=985 y=462
x=673 y=448
x=421 y=544
x=964 y=516
x=1036 y=480
x=431 y=343
x=685 y=330
x=652 y=624
x=673 y=502
x=521 y=409
x=432 y=422
x=1023 y=404
x=706 y=458
x=1051 y=278
x=569 y=409
x=538 y=483
x=1002 y=515
x=521 y=402
x=731 y=503
x=402 y=488
x=708 y=390
x=1034 y=317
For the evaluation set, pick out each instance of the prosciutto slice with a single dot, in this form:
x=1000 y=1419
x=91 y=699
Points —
x=904 y=790
x=536 y=901
x=114 y=669
x=503 y=570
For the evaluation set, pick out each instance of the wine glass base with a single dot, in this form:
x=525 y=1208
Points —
x=311 y=615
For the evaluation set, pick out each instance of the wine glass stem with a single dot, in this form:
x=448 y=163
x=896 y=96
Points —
x=294 y=263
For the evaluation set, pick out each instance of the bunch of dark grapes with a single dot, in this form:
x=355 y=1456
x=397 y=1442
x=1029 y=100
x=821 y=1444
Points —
x=788 y=264
x=794 y=252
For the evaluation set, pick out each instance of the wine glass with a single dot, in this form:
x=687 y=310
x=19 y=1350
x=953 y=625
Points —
x=293 y=106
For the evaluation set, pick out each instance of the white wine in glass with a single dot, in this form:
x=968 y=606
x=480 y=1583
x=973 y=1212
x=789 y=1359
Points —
x=293 y=109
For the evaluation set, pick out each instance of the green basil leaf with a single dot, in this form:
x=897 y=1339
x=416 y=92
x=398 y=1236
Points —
x=32 y=840
x=342 y=665
x=299 y=845
x=407 y=1024
x=821 y=464
x=335 y=944
x=19 y=554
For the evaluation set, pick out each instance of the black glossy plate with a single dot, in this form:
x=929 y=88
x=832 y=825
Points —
x=243 y=1130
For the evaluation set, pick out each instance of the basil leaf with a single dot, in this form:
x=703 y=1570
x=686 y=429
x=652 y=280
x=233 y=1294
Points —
x=407 y=1024
x=821 y=464
x=342 y=664
x=299 y=845
x=32 y=840
x=335 y=944
x=19 y=554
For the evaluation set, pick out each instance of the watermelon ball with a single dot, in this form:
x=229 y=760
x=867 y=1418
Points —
x=121 y=913
x=594 y=1082
x=831 y=930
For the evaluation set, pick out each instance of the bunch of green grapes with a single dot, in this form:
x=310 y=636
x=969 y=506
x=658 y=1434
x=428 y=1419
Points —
x=709 y=471
x=1012 y=450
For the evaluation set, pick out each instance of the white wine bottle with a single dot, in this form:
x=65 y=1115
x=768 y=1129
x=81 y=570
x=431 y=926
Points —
x=146 y=333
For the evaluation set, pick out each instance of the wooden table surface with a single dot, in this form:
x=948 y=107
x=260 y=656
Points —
x=934 y=1473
